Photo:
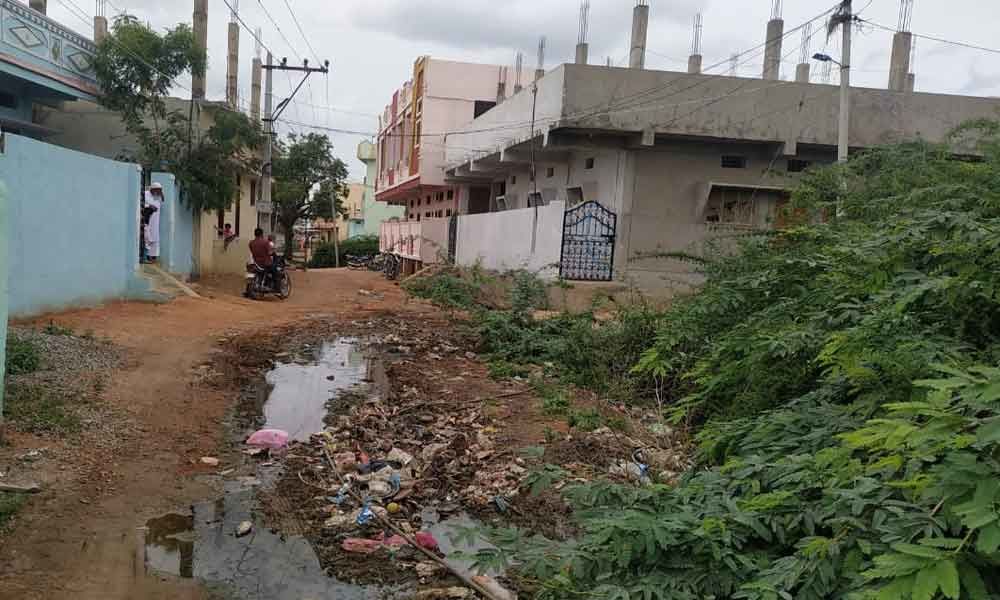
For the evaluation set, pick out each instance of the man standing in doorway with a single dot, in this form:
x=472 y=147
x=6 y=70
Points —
x=154 y=200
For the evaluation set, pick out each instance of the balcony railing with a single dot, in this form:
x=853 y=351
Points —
x=57 y=56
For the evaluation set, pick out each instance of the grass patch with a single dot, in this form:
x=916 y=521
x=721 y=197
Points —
x=10 y=504
x=585 y=420
x=54 y=328
x=23 y=356
x=502 y=369
x=35 y=409
x=445 y=289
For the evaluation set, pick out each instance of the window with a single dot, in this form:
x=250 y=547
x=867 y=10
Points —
x=451 y=194
x=734 y=162
x=574 y=196
x=419 y=201
x=253 y=192
x=589 y=164
x=797 y=166
x=447 y=213
x=427 y=215
x=411 y=203
x=535 y=199
x=8 y=100
x=513 y=179
x=550 y=172
x=418 y=216
x=481 y=107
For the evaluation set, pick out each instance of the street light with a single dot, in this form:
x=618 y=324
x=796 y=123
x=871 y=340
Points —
x=825 y=58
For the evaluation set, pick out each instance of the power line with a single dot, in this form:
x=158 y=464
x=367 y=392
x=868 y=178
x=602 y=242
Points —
x=302 y=33
x=243 y=24
x=935 y=39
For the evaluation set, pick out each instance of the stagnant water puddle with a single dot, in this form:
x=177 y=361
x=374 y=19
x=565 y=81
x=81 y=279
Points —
x=203 y=544
x=299 y=393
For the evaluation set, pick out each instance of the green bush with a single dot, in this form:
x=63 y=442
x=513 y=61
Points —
x=444 y=289
x=844 y=374
x=22 y=356
x=325 y=257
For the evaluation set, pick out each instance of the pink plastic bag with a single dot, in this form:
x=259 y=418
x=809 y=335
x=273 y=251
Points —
x=275 y=439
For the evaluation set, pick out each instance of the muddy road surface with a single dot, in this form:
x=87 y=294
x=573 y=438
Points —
x=117 y=495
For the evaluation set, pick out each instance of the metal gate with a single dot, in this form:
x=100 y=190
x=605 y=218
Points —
x=588 y=243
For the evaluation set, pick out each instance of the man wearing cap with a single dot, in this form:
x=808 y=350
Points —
x=154 y=202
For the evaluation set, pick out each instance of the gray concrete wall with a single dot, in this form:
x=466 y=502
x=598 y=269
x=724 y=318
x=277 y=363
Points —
x=529 y=238
x=754 y=110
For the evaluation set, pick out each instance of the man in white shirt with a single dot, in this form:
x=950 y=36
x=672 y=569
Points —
x=154 y=200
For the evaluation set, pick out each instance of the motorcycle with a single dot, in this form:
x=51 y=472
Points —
x=262 y=281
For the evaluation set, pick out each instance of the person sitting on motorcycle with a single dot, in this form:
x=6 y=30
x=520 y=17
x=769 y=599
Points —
x=260 y=250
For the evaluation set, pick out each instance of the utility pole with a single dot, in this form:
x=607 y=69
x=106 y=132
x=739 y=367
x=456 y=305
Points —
x=845 y=81
x=336 y=231
x=265 y=203
x=271 y=114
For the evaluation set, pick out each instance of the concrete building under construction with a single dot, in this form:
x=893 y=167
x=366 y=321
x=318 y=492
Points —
x=674 y=157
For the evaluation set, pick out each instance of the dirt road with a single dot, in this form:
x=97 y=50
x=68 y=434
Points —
x=78 y=538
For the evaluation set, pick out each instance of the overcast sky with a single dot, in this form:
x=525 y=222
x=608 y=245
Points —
x=372 y=44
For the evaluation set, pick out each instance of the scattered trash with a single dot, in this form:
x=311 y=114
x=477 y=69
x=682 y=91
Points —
x=361 y=546
x=210 y=461
x=398 y=456
x=244 y=528
x=274 y=439
x=255 y=451
x=365 y=516
x=393 y=508
x=428 y=569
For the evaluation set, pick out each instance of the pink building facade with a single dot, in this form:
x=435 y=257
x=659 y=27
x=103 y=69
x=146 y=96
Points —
x=413 y=132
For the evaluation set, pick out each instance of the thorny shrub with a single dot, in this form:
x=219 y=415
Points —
x=22 y=356
x=843 y=372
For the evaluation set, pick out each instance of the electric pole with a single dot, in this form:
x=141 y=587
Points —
x=265 y=203
x=271 y=117
x=845 y=81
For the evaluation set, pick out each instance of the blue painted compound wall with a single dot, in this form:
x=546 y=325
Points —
x=177 y=226
x=73 y=227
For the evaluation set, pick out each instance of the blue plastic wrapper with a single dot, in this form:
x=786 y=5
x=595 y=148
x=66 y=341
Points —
x=366 y=515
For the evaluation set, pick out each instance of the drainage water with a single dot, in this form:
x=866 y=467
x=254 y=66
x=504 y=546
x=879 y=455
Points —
x=263 y=565
x=299 y=393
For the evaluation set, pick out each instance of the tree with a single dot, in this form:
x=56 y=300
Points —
x=308 y=182
x=137 y=67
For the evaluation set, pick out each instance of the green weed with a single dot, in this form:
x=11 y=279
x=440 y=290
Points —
x=54 y=328
x=585 y=420
x=10 y=504
x=35 y=409
x=444 y=289
x=842 y=371
x=23 y=356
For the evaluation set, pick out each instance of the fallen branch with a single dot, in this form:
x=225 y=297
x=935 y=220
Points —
x=464 y=576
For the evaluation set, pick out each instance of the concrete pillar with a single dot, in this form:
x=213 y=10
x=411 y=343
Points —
x=911 y=82
x=802 y=73
x=640 y=26
x=582 y=52
x=201 y=41
x=255 y=73
x=694 y=64
x=233 y=66
x=899 y=64
x=39 y=5
x=100 y=29
x=772 y=49
x=539 y=73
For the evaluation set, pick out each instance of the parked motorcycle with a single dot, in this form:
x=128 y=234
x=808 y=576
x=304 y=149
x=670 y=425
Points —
x=262 y=281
